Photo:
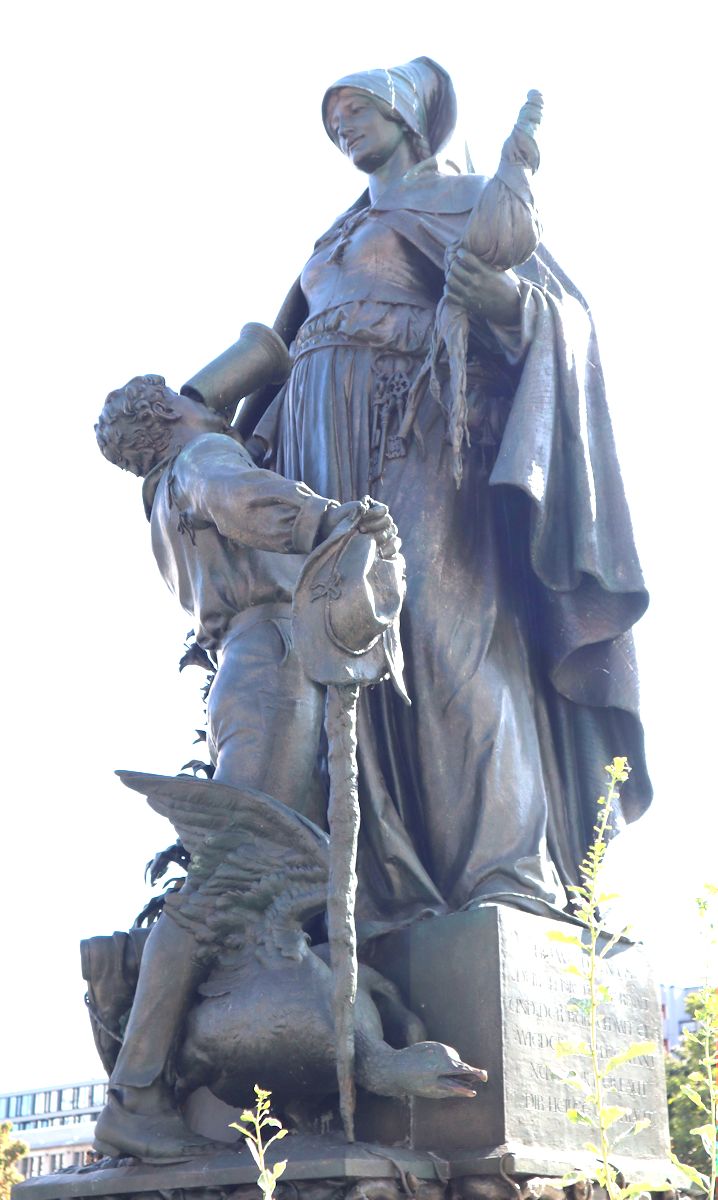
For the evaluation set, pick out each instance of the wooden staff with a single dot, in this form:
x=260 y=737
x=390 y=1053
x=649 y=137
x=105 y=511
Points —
x=344 y=820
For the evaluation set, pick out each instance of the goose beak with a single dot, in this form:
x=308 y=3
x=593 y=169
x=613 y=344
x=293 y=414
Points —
x=463 y=1080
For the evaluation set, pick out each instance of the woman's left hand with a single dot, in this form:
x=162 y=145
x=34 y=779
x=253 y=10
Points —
x=483 y=291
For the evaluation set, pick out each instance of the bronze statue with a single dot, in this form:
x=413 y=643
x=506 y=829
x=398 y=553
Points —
x=443 y=363
x=523 y=583
x=217 y=523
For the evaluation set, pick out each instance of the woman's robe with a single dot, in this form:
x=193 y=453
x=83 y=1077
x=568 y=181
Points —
x=523 y=584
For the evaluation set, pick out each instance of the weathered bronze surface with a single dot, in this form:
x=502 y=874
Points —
x=441 y=362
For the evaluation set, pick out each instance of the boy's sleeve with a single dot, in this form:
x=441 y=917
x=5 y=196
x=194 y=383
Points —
x=215 y=482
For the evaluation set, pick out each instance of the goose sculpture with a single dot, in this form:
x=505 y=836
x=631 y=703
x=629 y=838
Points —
x=258 y=874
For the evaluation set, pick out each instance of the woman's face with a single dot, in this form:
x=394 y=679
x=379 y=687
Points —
x=363 y=133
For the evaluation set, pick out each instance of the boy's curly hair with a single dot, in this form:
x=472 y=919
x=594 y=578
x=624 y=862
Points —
x=134 y=429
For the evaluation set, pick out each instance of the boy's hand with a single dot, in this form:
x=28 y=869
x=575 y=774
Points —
x=376 y=522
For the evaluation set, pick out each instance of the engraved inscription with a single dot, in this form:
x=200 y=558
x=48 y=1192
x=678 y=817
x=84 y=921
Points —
x=539 y=990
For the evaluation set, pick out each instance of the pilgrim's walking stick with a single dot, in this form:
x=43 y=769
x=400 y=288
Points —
x=345 y=629
x=343 y=816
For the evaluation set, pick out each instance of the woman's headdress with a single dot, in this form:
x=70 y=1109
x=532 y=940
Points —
x=420 y=92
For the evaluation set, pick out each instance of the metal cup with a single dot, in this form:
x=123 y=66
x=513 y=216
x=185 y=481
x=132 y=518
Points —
x=258 y=358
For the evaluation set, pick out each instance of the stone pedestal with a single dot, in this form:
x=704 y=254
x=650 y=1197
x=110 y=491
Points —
x=492 y=984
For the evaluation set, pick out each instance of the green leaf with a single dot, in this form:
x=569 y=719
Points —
x=247 y=1115
x=696 y=1177
x=572 y=1177
x=572 y=969
x=562 y=1049
x=576 y=1082
x=707 y=1134
x=638 y=1127
x=273 y=1122
x=254 y=1152
x=570 y=939
x=279 y=1169
x=631 y=1052
x=693 y=1095
x=570 y=1079
x=240 y=1128
x=612 y=941
x=612 y=1113
x=578 y=1118
x=637 y=1189
x=593 y=1149
x=580 y=1003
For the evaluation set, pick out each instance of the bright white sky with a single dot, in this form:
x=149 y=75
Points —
x=166 y=175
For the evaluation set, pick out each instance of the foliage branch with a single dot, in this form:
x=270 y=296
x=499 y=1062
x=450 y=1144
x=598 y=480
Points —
x=699 y=1089
x=11 y=1149
x=252 y=1131
x=595 y=941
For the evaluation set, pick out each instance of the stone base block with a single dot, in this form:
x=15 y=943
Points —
x=492 y=984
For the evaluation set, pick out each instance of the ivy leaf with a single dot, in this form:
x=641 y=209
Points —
x=631 y=1052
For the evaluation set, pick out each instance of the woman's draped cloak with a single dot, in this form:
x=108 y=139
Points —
x=522 y=586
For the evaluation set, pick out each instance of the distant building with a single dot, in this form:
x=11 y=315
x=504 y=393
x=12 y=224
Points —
x=676 y=1016
x=57 y=1123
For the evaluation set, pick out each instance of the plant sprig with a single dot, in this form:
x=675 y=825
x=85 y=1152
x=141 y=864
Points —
x=260 y=1119
x=586 y=898
x=704 y=1008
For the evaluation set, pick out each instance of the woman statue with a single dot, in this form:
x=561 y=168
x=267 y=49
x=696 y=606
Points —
x=523 y=582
